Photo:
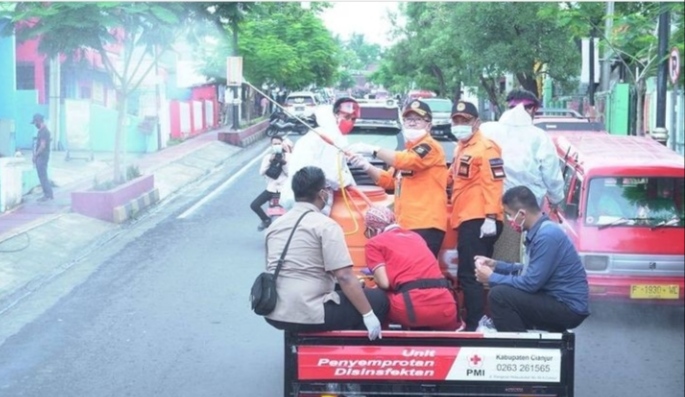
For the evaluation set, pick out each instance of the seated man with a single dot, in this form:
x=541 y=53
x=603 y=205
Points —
x=316 y=257
x=403 y=265
x=552 y=292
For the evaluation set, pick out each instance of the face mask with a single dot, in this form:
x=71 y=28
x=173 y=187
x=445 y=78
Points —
x=517 y=226
x=324 y=198
x=278 y=149
x=413 y=134
x=462 y=132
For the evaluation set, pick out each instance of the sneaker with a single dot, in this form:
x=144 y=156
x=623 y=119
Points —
x=44 y=198
x=265 y=223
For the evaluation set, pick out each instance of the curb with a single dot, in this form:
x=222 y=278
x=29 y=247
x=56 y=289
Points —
x=127 y=211
x=245 y=137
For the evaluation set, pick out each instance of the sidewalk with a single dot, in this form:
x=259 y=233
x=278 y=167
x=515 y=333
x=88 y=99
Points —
x=39 y=240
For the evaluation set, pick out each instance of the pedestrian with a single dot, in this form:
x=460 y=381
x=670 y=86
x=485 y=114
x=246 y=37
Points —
x=264 y=105
x=402 y=265
x=316 y=258
x=418 y=175
x=312 y=150
x=530 y=159
x=551 y=292
x=274 y=169
x=477 y=177
x=41 y=156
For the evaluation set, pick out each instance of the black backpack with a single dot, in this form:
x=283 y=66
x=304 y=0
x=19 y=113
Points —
x=263 y=294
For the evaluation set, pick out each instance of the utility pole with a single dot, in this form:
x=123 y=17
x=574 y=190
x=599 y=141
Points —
x=605 y=79
x=591 y=84
x=660 y=132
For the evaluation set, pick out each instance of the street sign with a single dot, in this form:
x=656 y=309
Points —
x=234 y=71
x=674 y=66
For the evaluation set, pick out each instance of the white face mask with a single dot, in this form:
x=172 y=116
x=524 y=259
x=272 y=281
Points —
x=413 y=134
x=277 y=149
x=462 y=132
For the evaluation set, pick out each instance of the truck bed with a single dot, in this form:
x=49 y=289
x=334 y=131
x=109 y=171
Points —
x=431 y=363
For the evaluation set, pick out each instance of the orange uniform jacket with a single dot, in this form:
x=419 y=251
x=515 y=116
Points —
x=477 y=174
x=419 y=177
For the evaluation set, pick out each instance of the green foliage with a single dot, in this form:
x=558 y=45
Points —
x=345 y=80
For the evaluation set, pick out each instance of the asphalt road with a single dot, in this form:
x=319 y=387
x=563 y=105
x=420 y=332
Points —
x=167 y=314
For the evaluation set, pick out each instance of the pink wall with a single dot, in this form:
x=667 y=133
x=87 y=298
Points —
x=27 y=52
x=207 y=93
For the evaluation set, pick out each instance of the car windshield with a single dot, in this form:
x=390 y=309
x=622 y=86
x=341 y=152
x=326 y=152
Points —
x=570 y=126
x=439 y=106
x=299 y=100
x=364 y=130
x=640 y=201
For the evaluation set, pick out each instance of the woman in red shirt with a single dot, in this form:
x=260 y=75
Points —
x=403 y=265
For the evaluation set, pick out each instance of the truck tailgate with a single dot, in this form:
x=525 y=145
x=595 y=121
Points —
x=413 y=363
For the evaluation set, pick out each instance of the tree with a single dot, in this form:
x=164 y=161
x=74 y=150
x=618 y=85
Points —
x=282 y=44
x=345 y=80
x=135 y=29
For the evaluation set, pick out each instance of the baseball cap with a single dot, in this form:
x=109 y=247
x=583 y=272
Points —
x=37 y=118
x=464 y=109
x=419 y=107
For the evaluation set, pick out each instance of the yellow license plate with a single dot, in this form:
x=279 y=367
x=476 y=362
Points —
x=654 y=292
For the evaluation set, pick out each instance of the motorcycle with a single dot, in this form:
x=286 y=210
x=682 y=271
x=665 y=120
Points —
x=279 y=125
x=275 y=210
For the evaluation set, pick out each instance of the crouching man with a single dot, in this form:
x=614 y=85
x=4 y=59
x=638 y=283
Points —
x=549 y=291
x=404 y=266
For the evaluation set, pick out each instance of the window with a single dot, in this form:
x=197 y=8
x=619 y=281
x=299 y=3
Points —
x=300 y=100
x=26 y=76
x=638 y=200
x=572 y=190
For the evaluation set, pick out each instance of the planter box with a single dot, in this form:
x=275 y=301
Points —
x=101 y=204
x=245 y=136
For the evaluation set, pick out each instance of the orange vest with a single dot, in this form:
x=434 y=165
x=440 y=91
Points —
x=419 y=177
x=477 y=174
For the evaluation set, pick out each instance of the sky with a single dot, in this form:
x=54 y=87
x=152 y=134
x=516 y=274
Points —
x=368 y=18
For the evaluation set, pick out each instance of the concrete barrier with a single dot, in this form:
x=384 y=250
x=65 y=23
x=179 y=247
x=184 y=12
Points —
x=127 y=211
x=246 y=136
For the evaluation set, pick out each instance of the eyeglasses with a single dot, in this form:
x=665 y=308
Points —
x=413 y=120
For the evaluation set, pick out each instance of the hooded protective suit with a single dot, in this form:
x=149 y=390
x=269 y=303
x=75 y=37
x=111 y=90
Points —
x=530 y=158
x=311 y=150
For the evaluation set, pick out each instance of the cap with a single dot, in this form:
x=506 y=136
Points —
x=379 y=218
x=418 y=107
x=347 y=105
x=37 y=118
x=465 y=109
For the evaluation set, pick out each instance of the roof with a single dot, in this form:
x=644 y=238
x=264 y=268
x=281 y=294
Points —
x=606 y=150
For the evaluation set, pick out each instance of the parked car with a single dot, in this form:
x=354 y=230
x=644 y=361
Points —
x=301 y=104
x=555 y=120
x=441 y=109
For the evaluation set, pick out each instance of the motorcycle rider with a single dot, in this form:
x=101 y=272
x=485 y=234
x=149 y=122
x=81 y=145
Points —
x=312 y=150
x=271 y=163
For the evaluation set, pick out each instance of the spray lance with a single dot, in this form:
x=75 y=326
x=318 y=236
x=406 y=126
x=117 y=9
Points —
x=325 y=137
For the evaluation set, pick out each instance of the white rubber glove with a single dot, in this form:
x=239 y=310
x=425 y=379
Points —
x=359 y=161
x=489 y=228
x=362 y=148
x=373 y=325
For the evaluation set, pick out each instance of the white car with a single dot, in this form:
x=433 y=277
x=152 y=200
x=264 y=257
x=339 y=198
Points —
x=301 y=104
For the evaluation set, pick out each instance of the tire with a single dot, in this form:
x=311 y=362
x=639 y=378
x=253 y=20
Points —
x=271 y=131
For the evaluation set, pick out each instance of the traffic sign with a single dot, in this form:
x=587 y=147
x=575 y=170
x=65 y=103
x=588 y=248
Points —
x=234 y=71
x=674 y=66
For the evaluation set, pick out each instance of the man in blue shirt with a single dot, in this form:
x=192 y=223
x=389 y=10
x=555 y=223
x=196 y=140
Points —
x=550 y=292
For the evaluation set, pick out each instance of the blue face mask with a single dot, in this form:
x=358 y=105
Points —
x=462 y=132
x=277 y=149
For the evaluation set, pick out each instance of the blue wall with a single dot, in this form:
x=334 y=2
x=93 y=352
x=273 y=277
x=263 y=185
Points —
x=27 y=106
x=103 y=124
x=7 y=83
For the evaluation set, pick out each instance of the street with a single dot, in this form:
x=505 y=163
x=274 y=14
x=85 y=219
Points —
x=166 y=313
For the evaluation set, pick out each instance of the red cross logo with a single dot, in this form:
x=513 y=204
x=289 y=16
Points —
x=475 y=360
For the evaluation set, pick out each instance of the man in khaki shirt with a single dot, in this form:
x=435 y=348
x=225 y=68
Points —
x=316 y=258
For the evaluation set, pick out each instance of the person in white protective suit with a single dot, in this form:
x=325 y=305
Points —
x=530 y=159
x=313 y=150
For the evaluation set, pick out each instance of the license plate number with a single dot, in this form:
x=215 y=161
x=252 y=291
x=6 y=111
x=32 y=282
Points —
x=654 y=292
x=299 y=109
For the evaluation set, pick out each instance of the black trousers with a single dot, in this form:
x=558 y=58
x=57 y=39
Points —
x=433 y=238
x=258 y=202
x=42 y=170
x=342 y=317
x=469 y=244
x=513 y=310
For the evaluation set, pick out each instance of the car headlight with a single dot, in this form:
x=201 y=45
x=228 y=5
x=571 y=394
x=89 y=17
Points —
x=596 y=262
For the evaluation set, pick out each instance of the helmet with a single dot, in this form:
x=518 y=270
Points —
x=378 y=218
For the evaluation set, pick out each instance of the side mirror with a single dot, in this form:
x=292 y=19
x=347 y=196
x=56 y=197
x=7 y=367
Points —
x=571 y=211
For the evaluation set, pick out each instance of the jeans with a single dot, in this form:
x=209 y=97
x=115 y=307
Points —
x=42 y=169
x=513 y=310
x=258 y=202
